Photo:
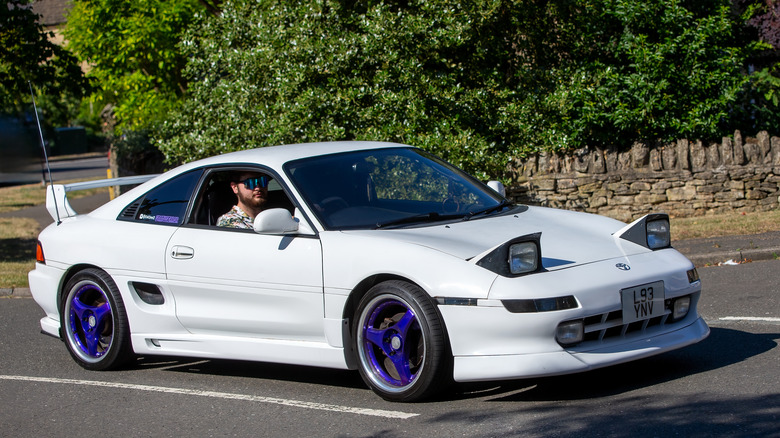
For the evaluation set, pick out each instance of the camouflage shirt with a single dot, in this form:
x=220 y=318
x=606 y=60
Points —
x=235 y=218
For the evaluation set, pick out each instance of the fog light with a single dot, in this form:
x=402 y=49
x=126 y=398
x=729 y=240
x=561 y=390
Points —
x=570 y=332
x=681 y=307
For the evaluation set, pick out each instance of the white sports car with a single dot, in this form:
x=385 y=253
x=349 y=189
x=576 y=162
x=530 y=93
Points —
x=369 y=256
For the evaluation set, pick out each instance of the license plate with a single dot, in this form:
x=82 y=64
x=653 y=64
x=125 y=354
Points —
x=642 y=302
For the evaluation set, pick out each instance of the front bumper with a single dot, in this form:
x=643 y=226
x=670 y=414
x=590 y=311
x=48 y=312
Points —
x=513 y=366
x=489 y=342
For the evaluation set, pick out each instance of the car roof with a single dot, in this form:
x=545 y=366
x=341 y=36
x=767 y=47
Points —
x=276 y=156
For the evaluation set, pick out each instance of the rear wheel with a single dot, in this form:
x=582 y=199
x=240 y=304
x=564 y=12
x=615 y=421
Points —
x=94 y=321
x=400 y=342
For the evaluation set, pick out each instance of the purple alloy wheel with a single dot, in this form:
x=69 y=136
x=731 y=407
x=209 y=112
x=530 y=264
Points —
x=393 y=346
x=90 y=322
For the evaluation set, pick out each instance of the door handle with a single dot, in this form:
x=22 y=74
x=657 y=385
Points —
x=182 y=252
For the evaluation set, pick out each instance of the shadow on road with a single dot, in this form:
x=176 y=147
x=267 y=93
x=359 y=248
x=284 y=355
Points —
x=17 y=250
x=259 y=370
x=724 y=347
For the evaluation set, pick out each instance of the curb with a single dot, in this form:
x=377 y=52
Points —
x=713 y=251
x=738 y=256
x=17 y=292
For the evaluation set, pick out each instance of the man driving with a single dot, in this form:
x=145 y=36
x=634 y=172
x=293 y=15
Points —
x=251 y=189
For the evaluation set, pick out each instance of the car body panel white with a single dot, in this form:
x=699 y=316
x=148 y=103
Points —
x=288 y=298
x=244 y=284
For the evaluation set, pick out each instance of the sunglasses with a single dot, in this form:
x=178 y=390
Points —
x=255 y=182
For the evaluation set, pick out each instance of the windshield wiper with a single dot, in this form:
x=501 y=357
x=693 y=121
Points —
x=425 y=217
x=494 y=209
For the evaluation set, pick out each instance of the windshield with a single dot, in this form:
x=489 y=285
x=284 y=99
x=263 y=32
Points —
x=384 y=188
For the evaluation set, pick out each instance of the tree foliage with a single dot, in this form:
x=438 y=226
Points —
x=131 y=47
x=477 y=82
x=27 y=56
x=761 y=103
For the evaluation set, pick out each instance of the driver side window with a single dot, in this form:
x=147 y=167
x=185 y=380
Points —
x=216 y=198
x=217 y=195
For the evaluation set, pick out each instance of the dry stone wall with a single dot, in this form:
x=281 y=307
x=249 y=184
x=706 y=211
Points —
x=683 y=179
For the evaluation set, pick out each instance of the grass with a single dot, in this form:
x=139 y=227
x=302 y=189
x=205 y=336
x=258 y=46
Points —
x=18 y=235
x=732 y=224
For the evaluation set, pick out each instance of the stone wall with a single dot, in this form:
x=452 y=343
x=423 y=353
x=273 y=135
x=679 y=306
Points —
x=682 y=179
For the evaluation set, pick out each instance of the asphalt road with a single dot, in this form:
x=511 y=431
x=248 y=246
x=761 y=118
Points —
x=80 y=167
x=62 y=168
x=727 y=385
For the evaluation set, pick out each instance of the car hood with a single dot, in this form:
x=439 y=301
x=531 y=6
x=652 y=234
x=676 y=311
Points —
x=568 y=238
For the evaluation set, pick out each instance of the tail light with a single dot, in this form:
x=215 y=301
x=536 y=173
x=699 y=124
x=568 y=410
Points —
x=39 y=254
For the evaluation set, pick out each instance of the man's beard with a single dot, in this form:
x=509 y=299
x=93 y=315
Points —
x=251 y=200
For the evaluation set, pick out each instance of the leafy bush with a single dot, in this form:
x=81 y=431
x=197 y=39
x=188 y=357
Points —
x=476 y=82
x=28 y=57
x=132 y=49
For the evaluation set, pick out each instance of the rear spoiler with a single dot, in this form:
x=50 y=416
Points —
x=57 y=199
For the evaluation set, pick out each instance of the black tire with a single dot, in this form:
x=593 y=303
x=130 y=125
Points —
x=400 y=342
x=94 y=322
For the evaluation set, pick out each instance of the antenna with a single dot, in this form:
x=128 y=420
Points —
x=45 y=155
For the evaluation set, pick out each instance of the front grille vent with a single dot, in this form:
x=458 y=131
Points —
x=610 y=325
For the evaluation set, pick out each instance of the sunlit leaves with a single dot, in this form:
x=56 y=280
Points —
x=476 y=82
x=131 y=47
x=27 y=54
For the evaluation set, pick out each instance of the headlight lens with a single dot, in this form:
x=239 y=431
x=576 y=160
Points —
x=523 y=258
x=658 y=235
x=516 y=257
x=570 y=332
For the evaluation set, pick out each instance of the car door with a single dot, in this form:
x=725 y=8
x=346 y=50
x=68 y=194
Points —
x=235 y=282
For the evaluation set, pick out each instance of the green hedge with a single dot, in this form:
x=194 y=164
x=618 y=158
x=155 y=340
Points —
x=477 y=82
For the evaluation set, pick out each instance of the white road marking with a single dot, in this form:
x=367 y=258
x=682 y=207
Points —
x=222 y=395
x=749 y=318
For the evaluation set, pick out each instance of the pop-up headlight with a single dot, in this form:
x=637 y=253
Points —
x=658 y=235
x=650 y=231
x=523 y=258
x=516 y=257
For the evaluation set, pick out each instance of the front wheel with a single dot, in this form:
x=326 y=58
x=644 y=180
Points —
x=400 y=342
x=94 y=321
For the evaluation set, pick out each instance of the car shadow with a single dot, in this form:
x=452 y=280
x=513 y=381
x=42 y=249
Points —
x=724 y=347
x=17 y=250
x=256 y=370
x=699 y=415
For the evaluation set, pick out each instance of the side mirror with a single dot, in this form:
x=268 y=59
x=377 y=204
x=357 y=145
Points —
x=497 y=187
x=275 y=221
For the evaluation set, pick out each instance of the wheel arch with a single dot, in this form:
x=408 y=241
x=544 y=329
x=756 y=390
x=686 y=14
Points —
x=72 y=271
x=357 y=294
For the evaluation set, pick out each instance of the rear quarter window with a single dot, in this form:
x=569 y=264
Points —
x=165 y=204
